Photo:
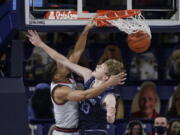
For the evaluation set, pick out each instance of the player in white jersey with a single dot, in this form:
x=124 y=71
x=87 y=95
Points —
x=66 y=115
x=63 y=94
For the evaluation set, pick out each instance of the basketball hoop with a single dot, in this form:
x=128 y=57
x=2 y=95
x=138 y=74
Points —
x=129 y=21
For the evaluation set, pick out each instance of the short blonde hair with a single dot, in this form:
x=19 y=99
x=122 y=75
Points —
x=114 y=66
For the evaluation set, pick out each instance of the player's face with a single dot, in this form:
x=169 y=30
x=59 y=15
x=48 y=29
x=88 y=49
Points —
x=100 y=72
x=147 y=102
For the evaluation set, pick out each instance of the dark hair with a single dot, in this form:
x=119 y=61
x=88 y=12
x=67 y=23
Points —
x=161 y=116
x=130 y=126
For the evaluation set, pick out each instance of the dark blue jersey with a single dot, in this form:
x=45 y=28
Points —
x=92 y=112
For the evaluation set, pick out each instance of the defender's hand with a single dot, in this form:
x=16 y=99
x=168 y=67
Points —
x=90 y=25
x=34 y=38
x=117 y=79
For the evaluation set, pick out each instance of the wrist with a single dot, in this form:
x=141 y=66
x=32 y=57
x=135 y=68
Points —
x=41 y=44
x=86 y=29
x=108 y=84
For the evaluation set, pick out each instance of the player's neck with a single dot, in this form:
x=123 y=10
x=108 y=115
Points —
x=97 y=82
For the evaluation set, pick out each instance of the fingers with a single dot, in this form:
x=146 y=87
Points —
x=35 y=32
x=30 y=32
x=27 y=35
x=31 y=40
x=31 y=35
x=122 y=74
x=121 y=83
x=121 y=77
x=90 y=24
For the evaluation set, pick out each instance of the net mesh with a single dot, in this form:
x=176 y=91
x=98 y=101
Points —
x=129 y=25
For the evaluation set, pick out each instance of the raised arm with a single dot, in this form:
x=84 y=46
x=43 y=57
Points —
x=36 y=41
x=80 y=44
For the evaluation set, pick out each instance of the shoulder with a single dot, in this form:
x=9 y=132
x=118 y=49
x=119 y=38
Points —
x=89 y=82
x=109 y=98
x=60 y=93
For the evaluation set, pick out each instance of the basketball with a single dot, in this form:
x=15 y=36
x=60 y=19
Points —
x=139 y=42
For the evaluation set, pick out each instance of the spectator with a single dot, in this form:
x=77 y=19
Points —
x=111 y=52
x=173 y=65
x=147 y=100
x=35 y=69
x=174 y=127
x=135 y=127
x=174 y=111
x=160 y=126
x=144 y=67
x=38 y=70
x=41 y=102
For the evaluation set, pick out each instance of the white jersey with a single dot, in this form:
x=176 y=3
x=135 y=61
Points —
x=66 y=115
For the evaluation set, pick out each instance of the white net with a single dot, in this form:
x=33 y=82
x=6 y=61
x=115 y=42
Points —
x=131 y=24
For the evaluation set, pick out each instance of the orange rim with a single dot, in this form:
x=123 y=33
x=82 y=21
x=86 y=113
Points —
x=113 y=15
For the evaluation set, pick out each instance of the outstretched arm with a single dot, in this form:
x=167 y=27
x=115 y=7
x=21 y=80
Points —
x=36 y=41
x=66 y=93
x=80 y=44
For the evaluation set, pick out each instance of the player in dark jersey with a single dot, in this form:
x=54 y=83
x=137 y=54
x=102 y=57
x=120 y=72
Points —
x=97 y=112
x=92 y=111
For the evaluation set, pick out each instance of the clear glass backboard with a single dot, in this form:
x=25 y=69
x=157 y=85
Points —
x=50 y=12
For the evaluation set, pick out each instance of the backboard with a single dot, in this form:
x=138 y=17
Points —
x=158 y=13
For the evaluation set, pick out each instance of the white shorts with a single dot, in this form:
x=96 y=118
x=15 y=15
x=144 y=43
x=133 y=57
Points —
x=63 y=133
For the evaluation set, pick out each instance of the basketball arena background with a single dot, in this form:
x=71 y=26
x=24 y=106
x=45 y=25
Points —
x=24 y=68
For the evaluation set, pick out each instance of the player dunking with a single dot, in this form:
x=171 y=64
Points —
x=63 y=94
